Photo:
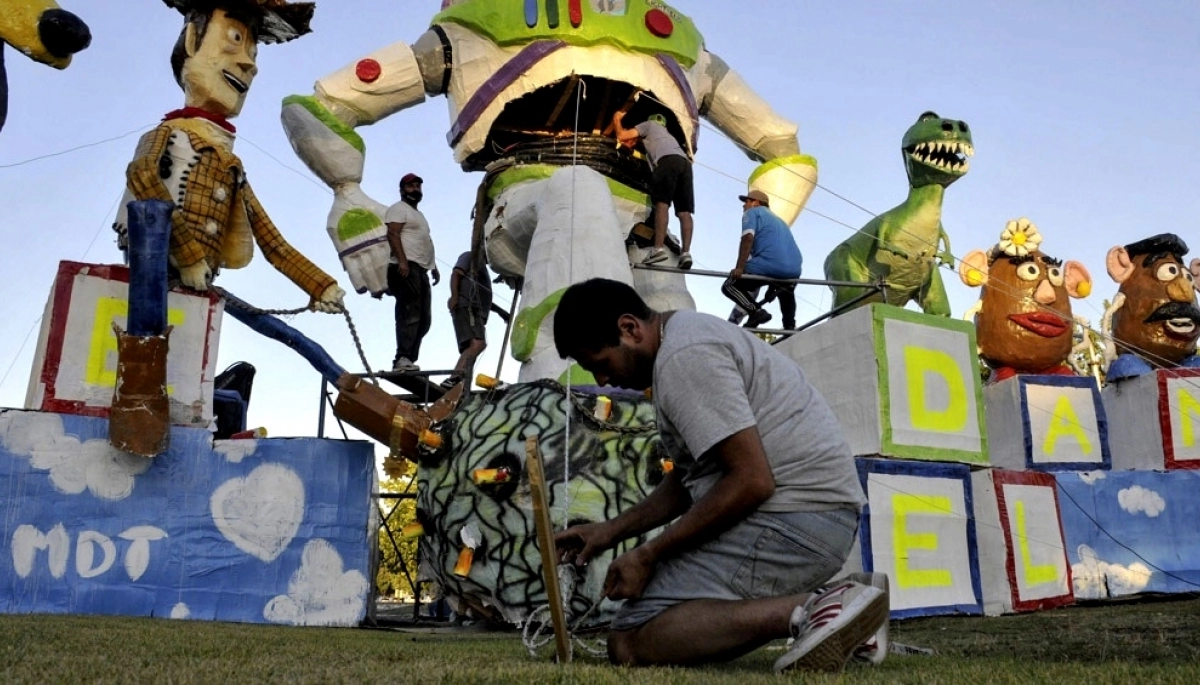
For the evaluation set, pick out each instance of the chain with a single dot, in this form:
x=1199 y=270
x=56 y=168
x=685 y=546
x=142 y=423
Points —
x=234 y=301
x=362 y=356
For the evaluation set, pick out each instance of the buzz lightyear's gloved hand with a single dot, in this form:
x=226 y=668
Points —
x=356 y=221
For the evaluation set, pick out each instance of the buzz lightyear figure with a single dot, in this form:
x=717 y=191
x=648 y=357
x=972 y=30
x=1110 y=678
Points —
x=562 y=200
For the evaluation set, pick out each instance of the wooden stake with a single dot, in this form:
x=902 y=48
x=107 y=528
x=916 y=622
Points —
x=545 y=534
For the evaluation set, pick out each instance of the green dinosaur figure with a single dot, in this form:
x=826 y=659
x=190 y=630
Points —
x=899 y=247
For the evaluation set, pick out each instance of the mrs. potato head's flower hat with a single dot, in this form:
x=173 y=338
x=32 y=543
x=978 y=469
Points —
x=278 y=21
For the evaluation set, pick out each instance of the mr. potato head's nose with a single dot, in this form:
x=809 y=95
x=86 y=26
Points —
x=1045 y=293
x=1181 y=290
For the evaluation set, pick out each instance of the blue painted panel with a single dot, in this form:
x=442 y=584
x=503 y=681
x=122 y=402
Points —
x=274 y=531
x=1131 y=531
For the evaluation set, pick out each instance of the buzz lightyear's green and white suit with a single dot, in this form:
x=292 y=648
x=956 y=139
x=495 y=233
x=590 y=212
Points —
x=551 y=223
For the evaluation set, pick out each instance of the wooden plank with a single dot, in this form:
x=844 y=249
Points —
x=545 y=535
x=602 y=116
x=563 y=99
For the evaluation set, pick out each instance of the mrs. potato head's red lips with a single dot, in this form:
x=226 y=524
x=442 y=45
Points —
x=1044 y=324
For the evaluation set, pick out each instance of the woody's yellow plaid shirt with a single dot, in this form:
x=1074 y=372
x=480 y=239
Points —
x=216 y=211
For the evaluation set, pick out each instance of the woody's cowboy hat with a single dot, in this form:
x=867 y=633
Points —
x=278 y=21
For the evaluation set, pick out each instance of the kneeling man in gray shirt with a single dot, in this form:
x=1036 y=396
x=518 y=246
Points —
x=760 y=510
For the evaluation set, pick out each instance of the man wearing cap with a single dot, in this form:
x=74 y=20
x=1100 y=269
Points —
x=671 y=182
x=188 y=159
x=767 y=249
x=408 y=273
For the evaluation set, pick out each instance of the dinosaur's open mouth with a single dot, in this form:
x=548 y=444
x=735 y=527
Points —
x=944 y=155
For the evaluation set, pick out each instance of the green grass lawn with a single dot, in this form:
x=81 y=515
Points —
x=1143 y=642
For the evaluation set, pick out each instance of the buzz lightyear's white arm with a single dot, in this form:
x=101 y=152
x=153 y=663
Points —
x=727 y=101
x=321 y=128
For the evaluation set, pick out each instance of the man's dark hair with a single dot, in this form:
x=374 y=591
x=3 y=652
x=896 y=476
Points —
x=200 y=19
x=587 y=315
x=1157 y=247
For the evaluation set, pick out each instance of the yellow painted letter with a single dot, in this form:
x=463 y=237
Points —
x=1189 y=408
x=1034 y=574
x=103 y=347
x=1065 y=422
x=904 y=506
x=920 y=365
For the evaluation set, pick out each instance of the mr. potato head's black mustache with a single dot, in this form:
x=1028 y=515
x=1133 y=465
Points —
x=1175 y=310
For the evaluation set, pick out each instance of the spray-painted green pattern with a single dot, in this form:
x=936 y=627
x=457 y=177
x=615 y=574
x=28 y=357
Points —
x=323 y=115
x=529 y=320
x=526 y=173
x=356 y=222
x=900 y=247
x=613 y=465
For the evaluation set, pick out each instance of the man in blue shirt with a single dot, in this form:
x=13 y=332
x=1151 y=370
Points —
x=767 y=249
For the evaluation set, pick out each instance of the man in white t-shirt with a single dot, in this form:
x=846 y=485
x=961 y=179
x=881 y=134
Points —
x=408 y=273
x=760 y=510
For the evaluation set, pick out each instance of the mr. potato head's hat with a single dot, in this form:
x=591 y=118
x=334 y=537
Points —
x=277 y=21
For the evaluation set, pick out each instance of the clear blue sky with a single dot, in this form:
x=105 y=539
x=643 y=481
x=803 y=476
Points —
x=1084 y=116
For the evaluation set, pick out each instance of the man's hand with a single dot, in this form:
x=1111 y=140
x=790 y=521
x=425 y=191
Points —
x=737 y=272
x=402 y=267
x=629 y=574
x=330 y=301
x=579 y=544
x=452 y=302
x=437 y=276
x=197 y=276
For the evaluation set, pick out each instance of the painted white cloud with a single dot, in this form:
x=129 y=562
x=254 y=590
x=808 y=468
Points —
x=74 y=466
x=320 y=593
x=1095 y=578
x=1090 y=477
x=260 y=513
x=1137 y=499
x=235 y=450
x=180 y=611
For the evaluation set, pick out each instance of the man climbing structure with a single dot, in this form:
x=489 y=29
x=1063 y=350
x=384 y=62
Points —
x=670 y=184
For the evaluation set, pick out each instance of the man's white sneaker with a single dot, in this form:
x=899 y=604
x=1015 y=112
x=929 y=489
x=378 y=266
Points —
x=655 y=255
x=404 y=364
x=875 y=649
x=831 y=625
x=685 y=260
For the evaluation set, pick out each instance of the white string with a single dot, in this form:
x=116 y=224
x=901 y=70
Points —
x=580 y=90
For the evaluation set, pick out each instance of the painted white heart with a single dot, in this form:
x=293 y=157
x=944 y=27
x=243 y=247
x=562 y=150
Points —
x=261 y=512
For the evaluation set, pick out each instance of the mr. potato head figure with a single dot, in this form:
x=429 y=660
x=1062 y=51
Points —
x=1023 y=320
x=1153 y=322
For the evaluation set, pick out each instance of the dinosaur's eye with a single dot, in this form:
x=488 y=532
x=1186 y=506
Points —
x=1167 y=272
x=1028 y=271
x=1055 y=275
